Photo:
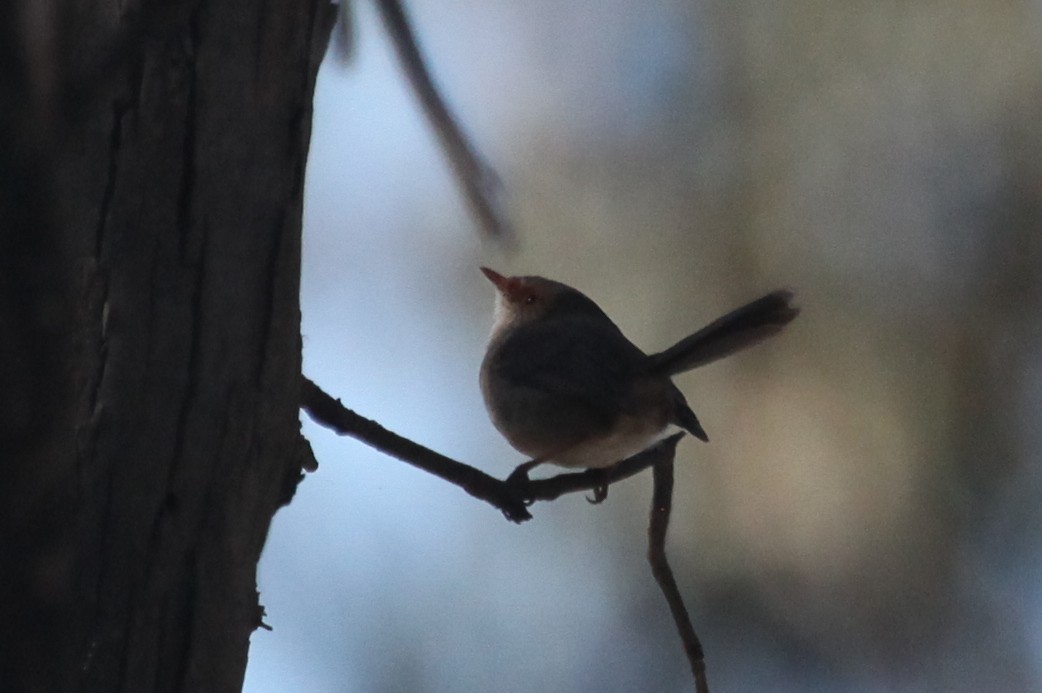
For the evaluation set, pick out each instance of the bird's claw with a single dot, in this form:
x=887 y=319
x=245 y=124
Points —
x=600 y=493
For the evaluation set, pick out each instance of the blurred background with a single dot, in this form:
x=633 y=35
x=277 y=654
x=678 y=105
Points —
x=868 y=516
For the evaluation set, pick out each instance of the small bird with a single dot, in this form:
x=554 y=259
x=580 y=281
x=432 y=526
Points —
x=564 y=385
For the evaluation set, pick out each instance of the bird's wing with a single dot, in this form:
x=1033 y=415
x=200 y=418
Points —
x=583 y=361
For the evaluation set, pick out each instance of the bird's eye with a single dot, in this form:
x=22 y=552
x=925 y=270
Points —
x=529 y=299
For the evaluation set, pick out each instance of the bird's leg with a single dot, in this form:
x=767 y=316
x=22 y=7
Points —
x=520 y=473
x=519 y=477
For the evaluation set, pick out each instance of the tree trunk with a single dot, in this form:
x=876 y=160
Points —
x=151 y=291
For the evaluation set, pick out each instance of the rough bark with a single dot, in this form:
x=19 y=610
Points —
x=165 y=406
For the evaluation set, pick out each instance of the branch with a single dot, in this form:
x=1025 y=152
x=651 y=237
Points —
x=594 y=479
x=511 y=499
x=661 y=504
x=329 y=412
x=481 y=186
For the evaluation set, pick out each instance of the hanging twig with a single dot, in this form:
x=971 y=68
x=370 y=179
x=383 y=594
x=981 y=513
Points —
x=510 y=498
x=481 y=185
x=661 y=504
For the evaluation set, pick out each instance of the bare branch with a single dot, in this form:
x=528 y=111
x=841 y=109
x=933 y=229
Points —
x=594 y=479
x=511 y=499
x=661 y=505
x=481 y=186
x=329 y=412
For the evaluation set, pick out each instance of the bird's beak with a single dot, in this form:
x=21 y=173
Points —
x=503 y=284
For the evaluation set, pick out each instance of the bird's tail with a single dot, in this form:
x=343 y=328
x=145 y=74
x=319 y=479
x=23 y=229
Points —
x=741 y=328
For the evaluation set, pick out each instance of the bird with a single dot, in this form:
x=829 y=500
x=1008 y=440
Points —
x=564 y=385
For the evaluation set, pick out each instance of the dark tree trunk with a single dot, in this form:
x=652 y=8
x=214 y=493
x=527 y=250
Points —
x=151 y=333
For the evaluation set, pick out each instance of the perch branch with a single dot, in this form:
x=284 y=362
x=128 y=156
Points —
x=511 y=499
x=594 y=479
x=481 y=186
x=661 y=504
x=329 y=412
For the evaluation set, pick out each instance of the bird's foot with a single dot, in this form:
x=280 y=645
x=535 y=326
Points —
x=600 y=494
x=600 y=491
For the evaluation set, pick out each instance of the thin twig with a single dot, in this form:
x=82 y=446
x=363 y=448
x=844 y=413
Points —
x=511 y=499
x=329 y=412
x=592 y=479
x=661 y=504
x=481 y=185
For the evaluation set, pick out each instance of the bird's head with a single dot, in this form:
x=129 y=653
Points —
x=522 y=300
